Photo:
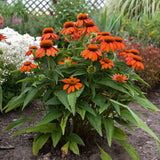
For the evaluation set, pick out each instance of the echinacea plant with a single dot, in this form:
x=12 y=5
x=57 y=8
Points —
x=84 y=89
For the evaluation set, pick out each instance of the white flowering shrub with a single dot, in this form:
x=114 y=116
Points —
x=12 y=56
x=14 y=49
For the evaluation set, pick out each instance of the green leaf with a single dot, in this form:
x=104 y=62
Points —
x=75 y=138
x=17 y=123
x=95 y=122
x=79 y=72
x=112 y=84
x=65 y=147
x=109 y=127
x=93 y=89
x=84 y=105
x=138 y=78
x=52 y=115
x=63 y=122
x=104 y=155
x=72 y=101
x=81 y=112
x=116 y=107
x=47 y=95
x=31 y=94
x=99 y=100
x=27 y=80
x=74 y=147
x=21 y=131
x=78 y=93
x=44 y=128
x=72 y=98
x=62 y=96
x=145 y=103
x=123 y=122
x=39 y=141
x=119 y=134
x=132 y=117
x=132 y=91
x=17 y=103
x=129 y=148
x=59 y=72
x=1 y=98
x=104 y=107
x=53 y=101
x=56 y=136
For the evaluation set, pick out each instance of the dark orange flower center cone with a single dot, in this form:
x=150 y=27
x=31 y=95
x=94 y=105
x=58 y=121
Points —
x=68 y=24
x=137 y=58
x=82 y=16
x=118 y=39
x=46 y=44
x=48 y=30
x=89 y=24
x=92 y=47
x=108 y=39
x=134 y=51
x=27 y=63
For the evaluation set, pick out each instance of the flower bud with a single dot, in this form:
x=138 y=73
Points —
x=67 y=63
x=41 y=77
x=91 y=69
x=93 y=35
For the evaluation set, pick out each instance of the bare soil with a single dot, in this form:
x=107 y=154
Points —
x=20 y=147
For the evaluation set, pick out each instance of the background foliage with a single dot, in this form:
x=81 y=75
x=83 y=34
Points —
x=135 y=8
x=34 y=24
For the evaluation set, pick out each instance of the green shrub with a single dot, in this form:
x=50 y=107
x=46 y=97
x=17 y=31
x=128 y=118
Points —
x=84 y=89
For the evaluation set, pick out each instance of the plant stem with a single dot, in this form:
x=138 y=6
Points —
x=50 y=73
x=72 y=128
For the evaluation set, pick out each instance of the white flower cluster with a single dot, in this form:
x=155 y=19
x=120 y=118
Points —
x=14 y=48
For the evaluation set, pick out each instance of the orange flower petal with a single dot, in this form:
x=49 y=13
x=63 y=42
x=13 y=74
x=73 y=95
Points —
x=69 y=90
x=65 y=86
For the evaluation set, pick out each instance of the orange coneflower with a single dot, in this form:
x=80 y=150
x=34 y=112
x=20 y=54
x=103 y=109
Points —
x=31 y=48
x=27 y=66
x=92 y=52
x=69 y=28
x=129 y=53
x=106 y=63
x=82 y=18
x=108 y=44
x=119 y=43
x=126 y=53
x=89 y=28
x=71 y=84
x=67 y=61
x=135 y=61
x=119 y=78
x=46 y=47
x=100 y=36
x=2 y=37
x=134 y=51
x=73 y=36
x=48 y=34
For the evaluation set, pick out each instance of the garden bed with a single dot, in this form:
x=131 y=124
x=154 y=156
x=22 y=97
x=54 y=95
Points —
x=20 y=147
